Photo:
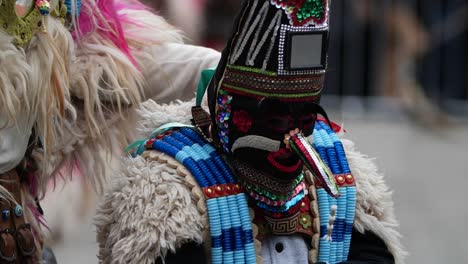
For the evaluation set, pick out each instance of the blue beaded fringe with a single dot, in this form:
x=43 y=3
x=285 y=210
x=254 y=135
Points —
x=230 y=223
x=232 y=238
x=329 y=146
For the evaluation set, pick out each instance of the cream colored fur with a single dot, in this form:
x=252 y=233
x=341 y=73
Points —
x=14 y=79
x=147 y=213
x=106 y=88
x=41 y=80
x=374 y=210
x=115 y=217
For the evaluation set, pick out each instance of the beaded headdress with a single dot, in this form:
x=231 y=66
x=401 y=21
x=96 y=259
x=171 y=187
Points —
x=278 y=50
x=264 y=95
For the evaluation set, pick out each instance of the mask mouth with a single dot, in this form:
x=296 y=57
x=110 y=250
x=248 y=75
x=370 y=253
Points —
x=282 y=164
x=284 y=160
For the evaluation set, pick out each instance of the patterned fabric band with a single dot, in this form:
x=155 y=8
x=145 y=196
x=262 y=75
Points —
x=245 y=81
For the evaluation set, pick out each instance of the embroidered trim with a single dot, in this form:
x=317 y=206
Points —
x=282 y=50
x=278 y=84
x=257 y=180
x=313 y=96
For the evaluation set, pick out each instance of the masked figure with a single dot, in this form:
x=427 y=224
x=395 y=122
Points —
x=72 y=73
x=263 y=177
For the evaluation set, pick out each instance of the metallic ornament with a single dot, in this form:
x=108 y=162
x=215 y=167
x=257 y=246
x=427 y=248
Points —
x=5 y=215
x=43 y=6
x=18 y=211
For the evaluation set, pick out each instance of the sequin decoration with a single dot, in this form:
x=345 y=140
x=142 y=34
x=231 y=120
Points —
x=223 y=115
x=282 y=50
x=43 y=6
x=303 y=12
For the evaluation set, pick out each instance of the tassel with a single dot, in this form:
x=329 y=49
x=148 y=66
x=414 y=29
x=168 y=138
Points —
x=331 y=222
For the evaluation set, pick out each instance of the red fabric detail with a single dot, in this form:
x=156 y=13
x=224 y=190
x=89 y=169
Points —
x=271 y=158
x=242 y=120
x=335 y=126
x=222 y=190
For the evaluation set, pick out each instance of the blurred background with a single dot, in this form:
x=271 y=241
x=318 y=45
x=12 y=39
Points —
x=398 y=81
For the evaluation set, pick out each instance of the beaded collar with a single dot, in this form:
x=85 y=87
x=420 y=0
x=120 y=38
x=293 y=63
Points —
x=22 y=29
x=327 y=220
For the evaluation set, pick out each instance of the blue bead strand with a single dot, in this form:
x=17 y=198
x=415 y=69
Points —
x=226 y=174
x=183 y=158
x=68 y=4
x=215 y=231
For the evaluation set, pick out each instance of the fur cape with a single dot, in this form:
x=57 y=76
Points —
x=78 y=85
x=154 y=206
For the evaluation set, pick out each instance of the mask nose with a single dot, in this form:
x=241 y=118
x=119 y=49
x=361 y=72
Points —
x=304 y=150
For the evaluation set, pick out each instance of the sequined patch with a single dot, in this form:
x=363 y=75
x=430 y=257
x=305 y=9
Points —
x=303 y=12
x=223 y=115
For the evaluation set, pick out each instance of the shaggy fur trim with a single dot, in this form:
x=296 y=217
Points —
x=89 y=154
x=147 y=213
x=106 y=87
x=49 y=56
x=374 y=209
x=154 y=115
x=105 y=78
x=14 y=80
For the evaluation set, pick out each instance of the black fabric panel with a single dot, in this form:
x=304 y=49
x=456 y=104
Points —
x=192 y=253
x=368 y=249
x=365 y=249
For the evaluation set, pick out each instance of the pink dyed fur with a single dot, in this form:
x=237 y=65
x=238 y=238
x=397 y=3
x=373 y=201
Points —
x=102 y=17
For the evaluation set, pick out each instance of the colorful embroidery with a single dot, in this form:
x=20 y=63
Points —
x=258 y=181
x=285 y=86
x=303 y=12
x=223 y=114
x=230 y=223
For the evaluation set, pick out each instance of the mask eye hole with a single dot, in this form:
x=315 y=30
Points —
x=279 y=124
x=307 y=120
x=306 y=123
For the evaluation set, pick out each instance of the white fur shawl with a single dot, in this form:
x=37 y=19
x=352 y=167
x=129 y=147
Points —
x=150 y=209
